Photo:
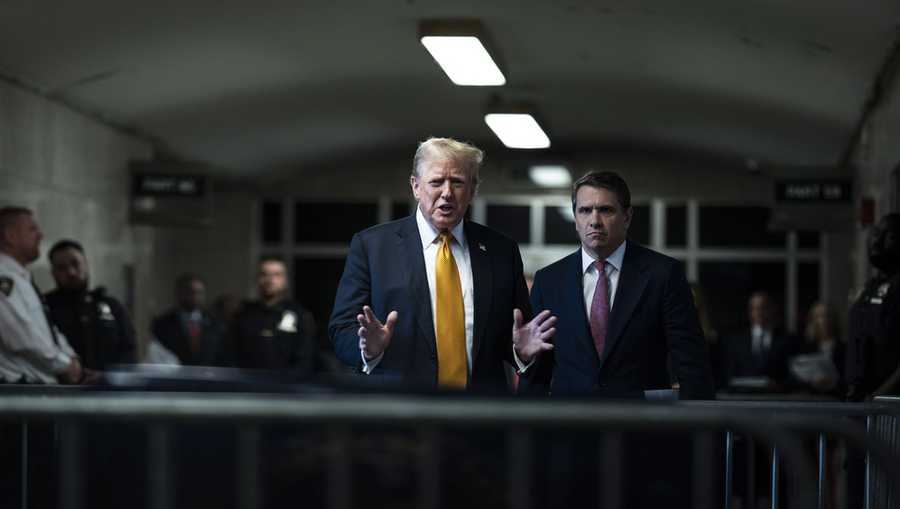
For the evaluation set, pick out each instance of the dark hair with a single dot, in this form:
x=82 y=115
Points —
x=607 y=180
x=64 y=244
x=183 y=281
x=9 y=215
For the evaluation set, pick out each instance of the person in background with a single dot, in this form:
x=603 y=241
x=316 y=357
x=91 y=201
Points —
x=273 y=332
x=820 y=364
x=97 y=325
x=188 y=330
x=761 y=350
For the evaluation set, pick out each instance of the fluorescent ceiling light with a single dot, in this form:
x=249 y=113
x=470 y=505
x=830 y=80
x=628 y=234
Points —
x=550 y=175
x=517 y=130
x=465 y=60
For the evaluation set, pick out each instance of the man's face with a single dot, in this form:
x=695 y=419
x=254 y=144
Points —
x=271 y=280
x=193 y=295
x=600 y=221
x=758 y=309
x=884 y=245
x=444 y=193
x=70 y=269
x=23 y=239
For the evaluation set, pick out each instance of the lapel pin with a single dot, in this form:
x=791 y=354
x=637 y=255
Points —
x=481 y=247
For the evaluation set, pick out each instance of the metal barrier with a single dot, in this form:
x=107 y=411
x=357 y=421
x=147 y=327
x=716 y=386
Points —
x=779 y=426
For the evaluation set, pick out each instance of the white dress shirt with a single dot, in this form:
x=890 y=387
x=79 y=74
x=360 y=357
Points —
x=27 y=349
x=430 y=237
x=589 y=278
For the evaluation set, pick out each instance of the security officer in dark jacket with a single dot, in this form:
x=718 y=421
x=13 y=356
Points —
x=873 y=350
x=273 y=332
x=97 y=325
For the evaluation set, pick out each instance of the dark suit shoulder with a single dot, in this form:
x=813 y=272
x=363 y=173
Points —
x=559 y=267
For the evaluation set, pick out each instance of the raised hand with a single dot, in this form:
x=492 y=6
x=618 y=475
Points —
x=530 y=339
x=374 y=337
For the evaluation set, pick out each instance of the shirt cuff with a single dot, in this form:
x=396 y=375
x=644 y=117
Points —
x=522 y=367
x=369 y=365
x=60 y=363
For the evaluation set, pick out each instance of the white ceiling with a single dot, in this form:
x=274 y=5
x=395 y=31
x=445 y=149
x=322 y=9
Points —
x=291 y=84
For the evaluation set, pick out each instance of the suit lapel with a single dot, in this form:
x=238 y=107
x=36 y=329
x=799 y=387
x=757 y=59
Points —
x=482 y=286
x=632 y=282
x=410 y=244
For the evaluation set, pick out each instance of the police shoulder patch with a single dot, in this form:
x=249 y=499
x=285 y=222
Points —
x=6 y=285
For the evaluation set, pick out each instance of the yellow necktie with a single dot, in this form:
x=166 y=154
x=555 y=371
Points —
x=450 y=319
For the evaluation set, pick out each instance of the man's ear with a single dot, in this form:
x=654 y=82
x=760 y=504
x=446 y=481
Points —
x=414 y=185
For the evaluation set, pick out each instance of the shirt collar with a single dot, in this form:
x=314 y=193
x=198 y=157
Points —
x=615 y=259
x=10 y=262
x=428 y=233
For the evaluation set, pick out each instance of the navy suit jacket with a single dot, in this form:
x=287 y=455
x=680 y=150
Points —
x=385 y=269
x=652 y=317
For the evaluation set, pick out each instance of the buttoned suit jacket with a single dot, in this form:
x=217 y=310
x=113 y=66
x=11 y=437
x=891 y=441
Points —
x=385 y=270
x=652 y=317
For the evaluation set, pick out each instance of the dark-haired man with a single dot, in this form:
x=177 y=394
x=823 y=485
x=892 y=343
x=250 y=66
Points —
x=274 y=332
x=96 y=324
x=622 y=310
x=31 y=349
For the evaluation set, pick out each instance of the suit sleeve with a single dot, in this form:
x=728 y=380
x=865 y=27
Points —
x=536 y=380
x=354 y=291
x=684 y=336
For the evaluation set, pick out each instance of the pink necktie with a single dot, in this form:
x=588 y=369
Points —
x=600 y=308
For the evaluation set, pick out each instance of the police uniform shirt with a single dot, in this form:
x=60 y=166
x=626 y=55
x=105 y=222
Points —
x=274 y=337
x=97 y=326
x=29 y=352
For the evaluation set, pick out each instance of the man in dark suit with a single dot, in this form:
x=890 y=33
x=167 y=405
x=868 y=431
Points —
x=188 y=330
x=622 y=310
x=429 y=299
x=760 y=350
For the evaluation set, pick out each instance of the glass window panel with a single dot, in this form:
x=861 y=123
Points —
x=676 y=226
x=400 y=209
x=559 y=225
x=332 y=222
x=727 y=287
x=272 y=222
x=808 y=239
x=512 y=220
x=723 y=226
x=315 y=284
x=639 y=231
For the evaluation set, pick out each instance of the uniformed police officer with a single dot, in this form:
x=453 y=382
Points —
x=97 y=325
x=274 y=332
x=31 y=349
x=873 y=350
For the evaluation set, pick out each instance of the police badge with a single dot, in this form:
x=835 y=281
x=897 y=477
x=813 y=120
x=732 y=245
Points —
x=105 y=312
x=288 y=322
x=6 y=285
x=882 y=290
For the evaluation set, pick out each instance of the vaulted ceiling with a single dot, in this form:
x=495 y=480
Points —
x=257 y=87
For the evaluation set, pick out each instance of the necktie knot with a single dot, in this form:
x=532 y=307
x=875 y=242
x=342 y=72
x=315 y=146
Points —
x=446 y=238
x=600 y=265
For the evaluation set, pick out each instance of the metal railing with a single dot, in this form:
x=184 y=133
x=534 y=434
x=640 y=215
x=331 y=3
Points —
x=713 y=428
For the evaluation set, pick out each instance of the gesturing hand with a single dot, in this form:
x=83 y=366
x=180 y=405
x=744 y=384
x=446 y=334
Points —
x=374 y=337
x=530 y=339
